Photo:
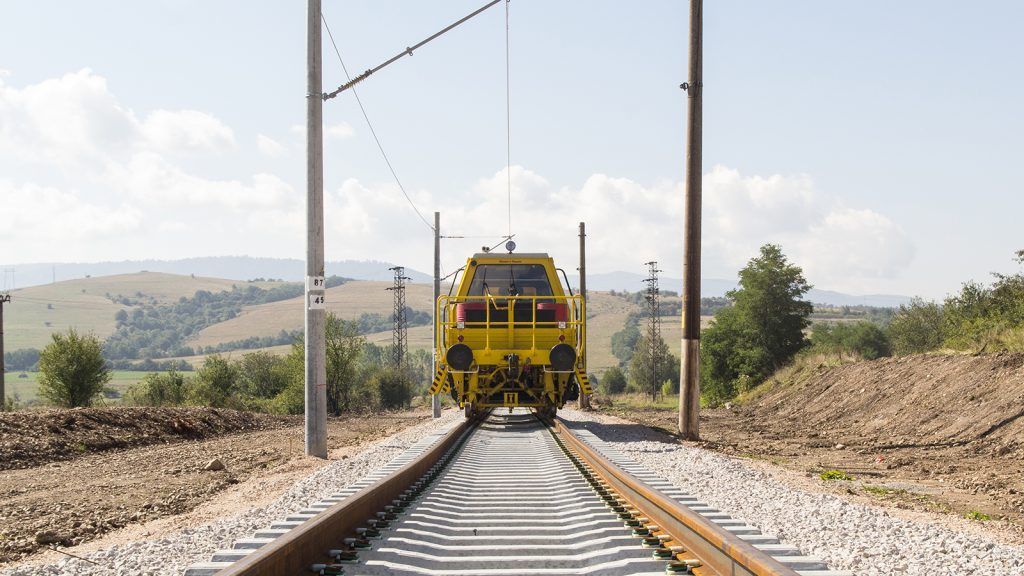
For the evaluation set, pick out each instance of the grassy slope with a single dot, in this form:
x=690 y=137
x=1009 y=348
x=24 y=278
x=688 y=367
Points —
x=348 y=301
x=82 y=304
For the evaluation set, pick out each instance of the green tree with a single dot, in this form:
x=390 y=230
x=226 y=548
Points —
x=262 y=375
x=393 y=389
x=347 y=380
x=917 y=327
x=73 y=370
x=160 y=389
x=216 y=383
x=613 y=381
x=21 y=359
x=761 y=331
x=624 y=341
x=344 y=344
x=864 y=339
x=641 y=374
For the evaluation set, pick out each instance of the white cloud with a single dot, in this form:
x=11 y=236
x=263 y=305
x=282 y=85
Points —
x=150 y=178
x=339 y=131
x=187 y=130
x=628 y=223
x=85 y=178
x=83 y=171
x=269 y=147
x=836 y=245
x=35 y=214
x=64 y=121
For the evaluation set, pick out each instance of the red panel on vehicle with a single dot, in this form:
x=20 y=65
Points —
x=463 y=307
x=561 y=310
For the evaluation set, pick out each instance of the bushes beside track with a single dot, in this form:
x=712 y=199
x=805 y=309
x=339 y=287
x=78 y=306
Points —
x=359 y=378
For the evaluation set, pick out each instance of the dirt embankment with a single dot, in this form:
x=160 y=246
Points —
x=932 y=432
x=913 y=402
x=70 y=476
x=32 y=438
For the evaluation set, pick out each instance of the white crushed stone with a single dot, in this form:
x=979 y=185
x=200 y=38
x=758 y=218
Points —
x=172 y=554
x=846 y=535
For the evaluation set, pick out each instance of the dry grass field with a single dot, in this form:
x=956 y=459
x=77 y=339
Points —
x=37 y=312
x=347 y=301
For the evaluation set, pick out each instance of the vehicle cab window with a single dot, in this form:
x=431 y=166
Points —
x=510 y=280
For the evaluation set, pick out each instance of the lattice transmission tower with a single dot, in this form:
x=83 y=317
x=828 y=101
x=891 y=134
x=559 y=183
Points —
x=399 y=335
x=653 y=298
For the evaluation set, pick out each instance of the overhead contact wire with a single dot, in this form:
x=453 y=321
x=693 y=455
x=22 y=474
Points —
x=370 y=126
x=508 y=120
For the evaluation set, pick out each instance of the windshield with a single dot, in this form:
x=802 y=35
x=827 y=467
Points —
x=510 y=280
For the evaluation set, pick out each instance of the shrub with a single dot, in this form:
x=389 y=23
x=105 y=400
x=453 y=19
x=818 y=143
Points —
x=864 y=339
x=156 y=389
x=916 y=328
x=262 y=375
x=393 y=388
x=215 y=383
x=73 y=370
x=614 y=381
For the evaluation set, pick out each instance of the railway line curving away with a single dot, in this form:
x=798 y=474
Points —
x=510 y=494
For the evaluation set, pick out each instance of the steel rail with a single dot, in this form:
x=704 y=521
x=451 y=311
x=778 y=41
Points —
x=299 y=548
x=719 y=552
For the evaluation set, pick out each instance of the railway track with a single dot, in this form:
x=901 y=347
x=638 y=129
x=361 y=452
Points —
x=509 y=494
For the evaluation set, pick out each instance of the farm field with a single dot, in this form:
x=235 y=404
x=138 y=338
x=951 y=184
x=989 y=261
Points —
x=26 y=389
x=38 y=311
x=347 y=301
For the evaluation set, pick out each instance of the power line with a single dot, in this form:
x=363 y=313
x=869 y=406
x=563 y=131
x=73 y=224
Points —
x=370 y=125
x=407 y=52
x=508 y=120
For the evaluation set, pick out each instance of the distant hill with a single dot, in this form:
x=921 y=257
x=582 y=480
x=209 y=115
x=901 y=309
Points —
x=716 y=287
x=226 y=267
x=87 y=304
x=293 y=270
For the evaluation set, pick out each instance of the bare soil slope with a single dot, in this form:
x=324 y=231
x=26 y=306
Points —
x=932 y=432
x=913 y=401
x=31 y=438
x=153 y=464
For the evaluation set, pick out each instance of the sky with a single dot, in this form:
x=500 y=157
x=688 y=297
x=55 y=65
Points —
x=878 y=143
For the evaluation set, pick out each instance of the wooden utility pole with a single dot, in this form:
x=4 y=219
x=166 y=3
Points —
x=584 y=401
x=315 y=342
x=689 y=391
x=4 y=298
x=435 y=400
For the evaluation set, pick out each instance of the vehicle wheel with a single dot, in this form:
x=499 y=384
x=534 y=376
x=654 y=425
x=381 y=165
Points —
x=468 y=410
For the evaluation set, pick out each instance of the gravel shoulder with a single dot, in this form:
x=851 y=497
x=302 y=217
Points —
x=118 y=496
x=846 y=530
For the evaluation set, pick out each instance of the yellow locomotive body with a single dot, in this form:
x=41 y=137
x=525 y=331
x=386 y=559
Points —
x=510 y=335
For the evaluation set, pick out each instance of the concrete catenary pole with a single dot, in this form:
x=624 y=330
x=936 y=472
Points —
x=435 y=400
x=689 y=392
x=316 y=366
x=3 y=367
x=584 y=401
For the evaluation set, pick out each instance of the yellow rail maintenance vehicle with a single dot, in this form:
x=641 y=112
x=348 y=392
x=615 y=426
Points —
x=511 y=335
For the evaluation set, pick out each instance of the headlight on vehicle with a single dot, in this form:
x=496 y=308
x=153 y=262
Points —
x=459 y=357
x=563 y=357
